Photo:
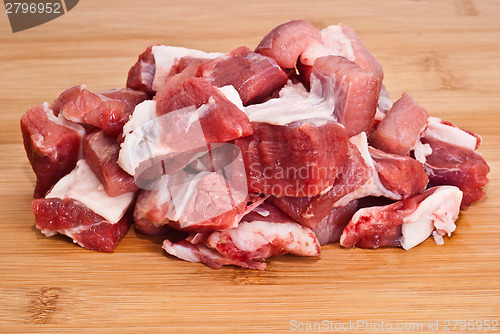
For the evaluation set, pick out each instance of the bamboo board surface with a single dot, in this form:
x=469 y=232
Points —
x=446 y=54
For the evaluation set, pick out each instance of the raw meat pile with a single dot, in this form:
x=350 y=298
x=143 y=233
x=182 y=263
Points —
x=251 y=154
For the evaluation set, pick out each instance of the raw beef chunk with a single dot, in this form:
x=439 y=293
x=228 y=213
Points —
x=263 y=233
x=157 y=63
x=341 y=40
x=80 y=105
x=220 y=119
x=52 y=145
x=101 y=153
x=310 y=211
x=253 y=75
x=142 y=74
x=405 y=223
x=286 y=42
x=78 y=206
x=299 y=159
x=77 y=221
x=401 y=127
x=164 y=135
x=402 y=175
x=331 y=227
x=355 y=92
x=450 y=164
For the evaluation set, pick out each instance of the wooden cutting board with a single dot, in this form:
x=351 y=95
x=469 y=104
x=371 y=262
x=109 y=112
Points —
x=444 y=53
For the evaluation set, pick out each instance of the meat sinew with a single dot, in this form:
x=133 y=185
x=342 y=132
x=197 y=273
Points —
x=240 y=156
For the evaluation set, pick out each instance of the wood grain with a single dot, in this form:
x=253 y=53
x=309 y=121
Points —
x=445 y=53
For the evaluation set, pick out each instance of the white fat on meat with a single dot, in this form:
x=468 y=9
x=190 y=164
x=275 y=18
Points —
x=181 y=192
x=143 y=112
x=436 y=215
x=333 y=42
x=82 y=185
x=421 y=151
x=384 y=102
x=148 y=137
x=232 y=95
x=187 y=253
x=161 y=196
x=181 y=196
x=165 y=57
x=138 y=132
x=379 y=115
x=72 y=232
x=372 y=187
x=200 y=253
x=294 y=104
x=49 y=233
x=437 y=129
x=262 y=212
